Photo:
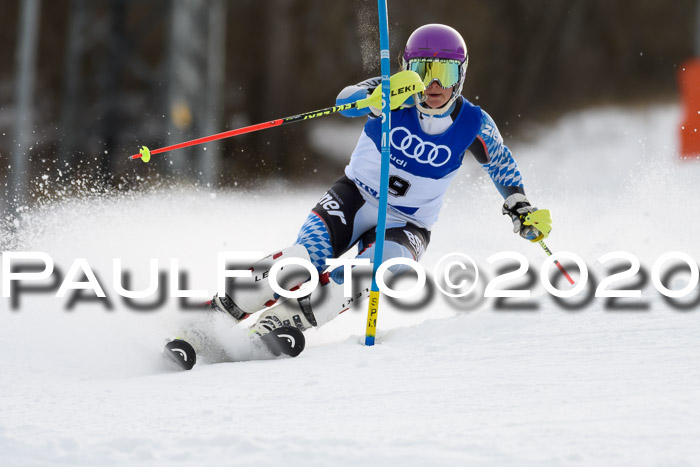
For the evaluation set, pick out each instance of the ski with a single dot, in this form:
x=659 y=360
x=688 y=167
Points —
x=286 y=340
x=179 y=354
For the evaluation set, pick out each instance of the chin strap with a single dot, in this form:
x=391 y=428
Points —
x=446 y=113
x=443 y=111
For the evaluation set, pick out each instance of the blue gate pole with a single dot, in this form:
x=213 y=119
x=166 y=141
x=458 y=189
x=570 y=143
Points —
x=373 y=309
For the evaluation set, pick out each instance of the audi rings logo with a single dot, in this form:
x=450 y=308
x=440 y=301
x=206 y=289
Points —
x=423 y=152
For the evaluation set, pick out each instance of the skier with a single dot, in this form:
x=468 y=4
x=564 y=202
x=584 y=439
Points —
x=429 y=138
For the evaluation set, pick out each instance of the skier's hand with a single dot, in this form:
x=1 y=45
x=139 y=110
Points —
x=531 y=223
x=353 y=94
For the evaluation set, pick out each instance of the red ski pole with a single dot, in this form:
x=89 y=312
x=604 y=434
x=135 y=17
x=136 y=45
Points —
x=542 y=220
x=145 y=154
x=561 y=268
x=403 y=85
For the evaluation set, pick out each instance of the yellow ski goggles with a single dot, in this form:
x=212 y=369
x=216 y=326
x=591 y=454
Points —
x=446 y=72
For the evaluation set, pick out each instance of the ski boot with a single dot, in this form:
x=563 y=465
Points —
x=227 y=305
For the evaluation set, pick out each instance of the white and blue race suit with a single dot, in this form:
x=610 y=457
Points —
x=426 y=152
x=425 y=155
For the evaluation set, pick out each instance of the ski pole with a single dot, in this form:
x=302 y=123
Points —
x=542 y=220
x=403 y=85
x=561 y=268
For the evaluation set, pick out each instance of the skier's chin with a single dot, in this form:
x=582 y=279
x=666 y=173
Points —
x=436 y=101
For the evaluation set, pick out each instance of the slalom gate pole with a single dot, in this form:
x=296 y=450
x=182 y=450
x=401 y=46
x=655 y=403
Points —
x=373 y=309
x=561 y=268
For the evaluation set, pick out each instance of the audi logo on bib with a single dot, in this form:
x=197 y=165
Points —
x=424 y=152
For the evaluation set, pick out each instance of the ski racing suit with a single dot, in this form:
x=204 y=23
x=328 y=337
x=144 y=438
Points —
x=426 y=152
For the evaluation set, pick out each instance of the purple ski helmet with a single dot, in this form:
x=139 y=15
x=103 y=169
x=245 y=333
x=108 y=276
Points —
x=437 y=53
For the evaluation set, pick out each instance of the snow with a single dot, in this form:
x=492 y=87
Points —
x=451 y=384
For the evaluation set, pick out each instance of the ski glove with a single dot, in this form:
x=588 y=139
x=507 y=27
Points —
x=349 y=95
x=531 y=223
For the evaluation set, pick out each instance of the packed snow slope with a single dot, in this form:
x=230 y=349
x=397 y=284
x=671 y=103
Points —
x=450 y=382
